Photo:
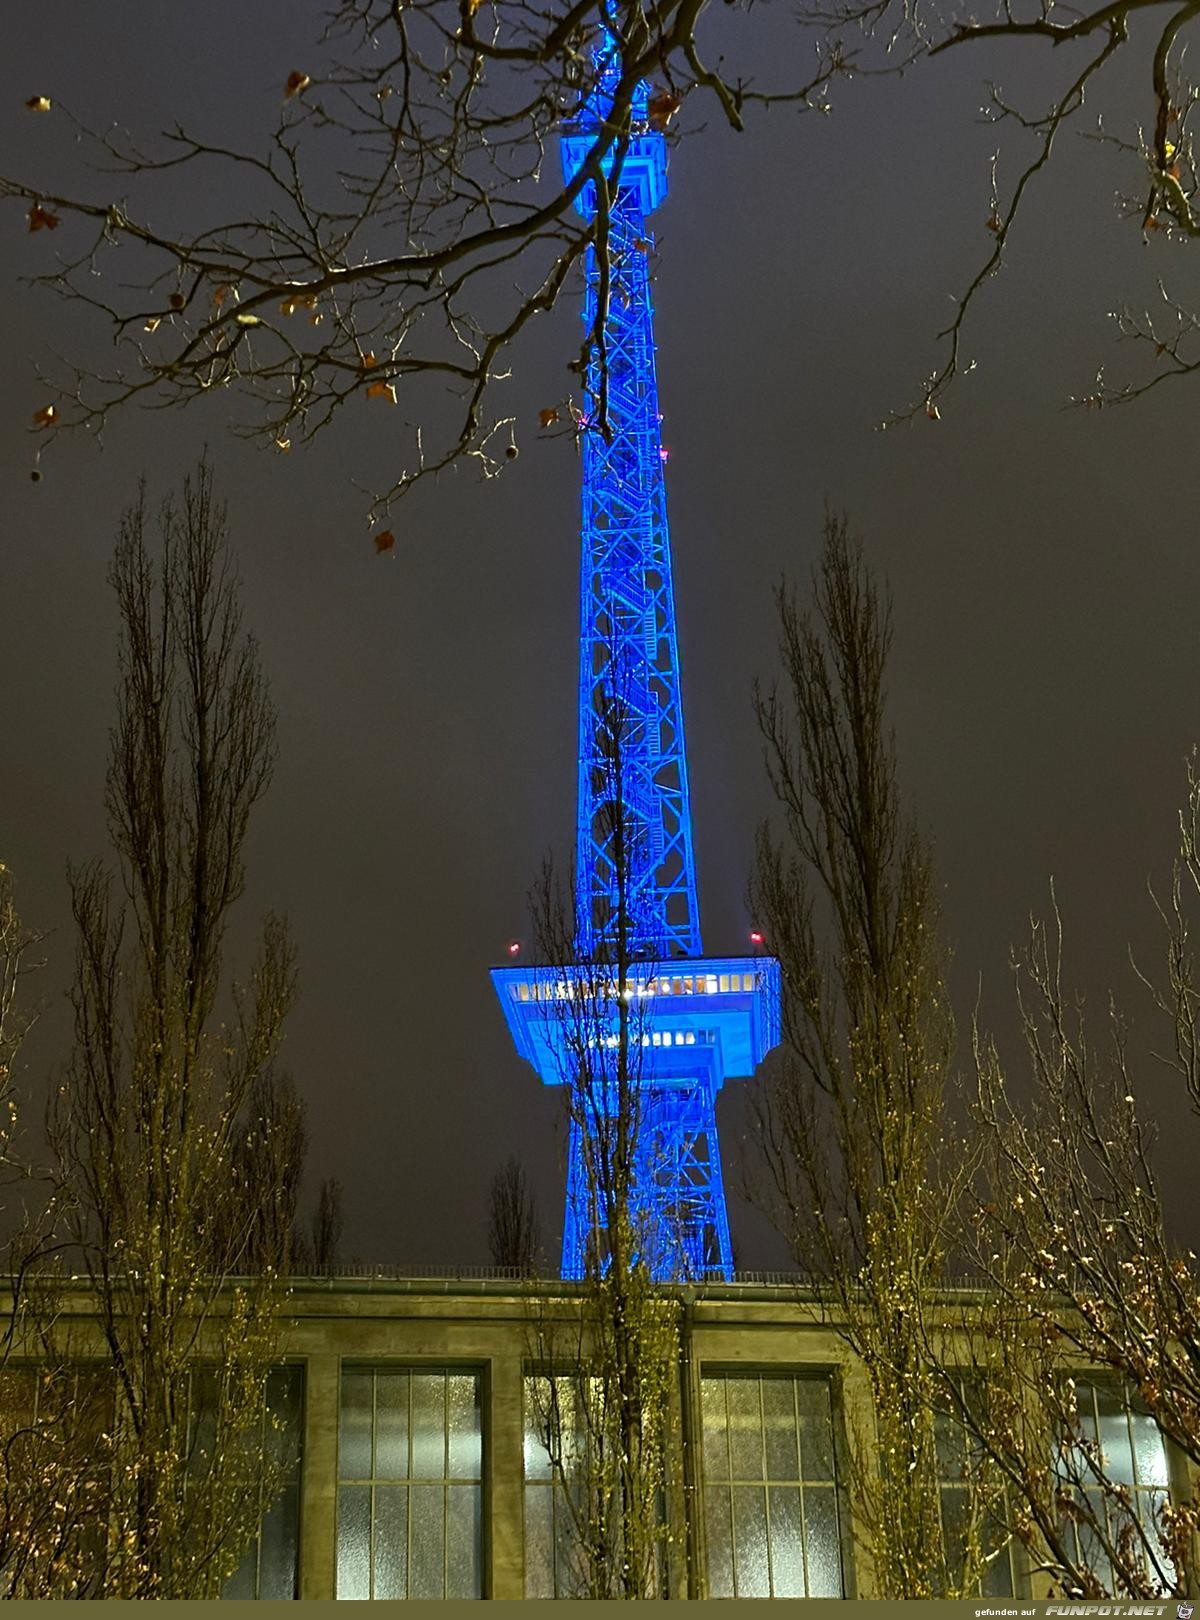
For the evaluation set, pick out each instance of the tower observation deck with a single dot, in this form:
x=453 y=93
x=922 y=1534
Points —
x=690 y=1022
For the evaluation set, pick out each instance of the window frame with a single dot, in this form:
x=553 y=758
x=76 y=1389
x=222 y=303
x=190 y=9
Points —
x=966 y=1380
x=446 y=1367
x=557 y=1486
x=1075 y=1471
x=830 y=1376
x=293 y=1480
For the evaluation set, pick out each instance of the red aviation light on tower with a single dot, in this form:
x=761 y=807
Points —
x=756 y=938
x=514 y=947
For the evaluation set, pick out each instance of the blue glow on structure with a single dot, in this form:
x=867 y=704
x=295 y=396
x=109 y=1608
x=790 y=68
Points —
x=698 y=1021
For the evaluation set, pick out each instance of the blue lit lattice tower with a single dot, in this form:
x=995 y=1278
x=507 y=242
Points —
x=698 y=1020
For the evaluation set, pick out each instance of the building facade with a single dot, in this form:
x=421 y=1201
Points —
x=422 y=1473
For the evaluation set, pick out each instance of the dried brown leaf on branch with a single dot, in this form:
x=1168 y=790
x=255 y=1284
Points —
x=661 y=108
x=382 y=390
x=41 y=219
x=38 y=104
x=297 y=84
x=46 y=417
x=385 y=541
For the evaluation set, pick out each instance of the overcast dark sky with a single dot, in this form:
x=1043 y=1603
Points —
x=1043 y=562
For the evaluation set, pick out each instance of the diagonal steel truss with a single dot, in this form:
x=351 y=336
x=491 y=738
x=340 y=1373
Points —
x=628 y=646
x=635 y=895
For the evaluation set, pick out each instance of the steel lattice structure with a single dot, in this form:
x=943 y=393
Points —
x=688 y=1021
x=628 y=655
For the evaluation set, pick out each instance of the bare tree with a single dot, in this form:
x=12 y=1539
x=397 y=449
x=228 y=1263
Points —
x=269 y=1153
x=18 y=960
x=327 y=1227
x=514 y=1224
x=53 y=1482
x=1071 y=1235
x=852 y=1115
x=1104 y=47
x=161 y=1117
x=387 y=235
x=1005 y=1397
x=390 y=227
x=16 y=944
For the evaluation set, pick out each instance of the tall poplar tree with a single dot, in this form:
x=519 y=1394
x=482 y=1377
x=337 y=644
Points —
x=853 y=1110
x=162 y=1130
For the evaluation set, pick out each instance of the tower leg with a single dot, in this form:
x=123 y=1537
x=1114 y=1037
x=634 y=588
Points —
x=679 y=1195
x=576 y=1223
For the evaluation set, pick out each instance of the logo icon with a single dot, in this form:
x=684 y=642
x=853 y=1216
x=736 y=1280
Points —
x=1184 y=1611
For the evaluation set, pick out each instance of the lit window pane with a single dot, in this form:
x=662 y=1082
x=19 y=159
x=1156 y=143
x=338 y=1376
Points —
x=537 y=1458
x=720 y=1542
x=1091 y=1547
x=354 y=1542
x=968 y=1528
x=427 y=1576
x=1150 y=1454
x=712 y=1420
x=745 y=1429
x=787 y=1543
x=956 y=1520
x=280 y=1543
x=270 y=1563
x=1117 y=1458
x=539 y=1542
x=1086 y=1399
x=570 y=1565
x=391 y=1425
x=391 y=1541
x=816 y=1428
x=950 y=1439
x=997 y=1575
x=241 y=1583
x=354 y=1428
x=779 y=1421
x=428 y=1426
x=463 y=1540
x=823 y=1543
x=750 y=1541
x=465 y=1437
x=1151 y=1504
x=285 y=1403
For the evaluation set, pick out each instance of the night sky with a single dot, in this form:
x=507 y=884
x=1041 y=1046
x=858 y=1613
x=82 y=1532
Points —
x=1043 y=563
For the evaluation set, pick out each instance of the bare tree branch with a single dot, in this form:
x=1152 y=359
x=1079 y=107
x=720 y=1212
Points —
x=399 y=227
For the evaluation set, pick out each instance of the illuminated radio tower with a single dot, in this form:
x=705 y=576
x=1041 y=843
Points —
x=698 y=1020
